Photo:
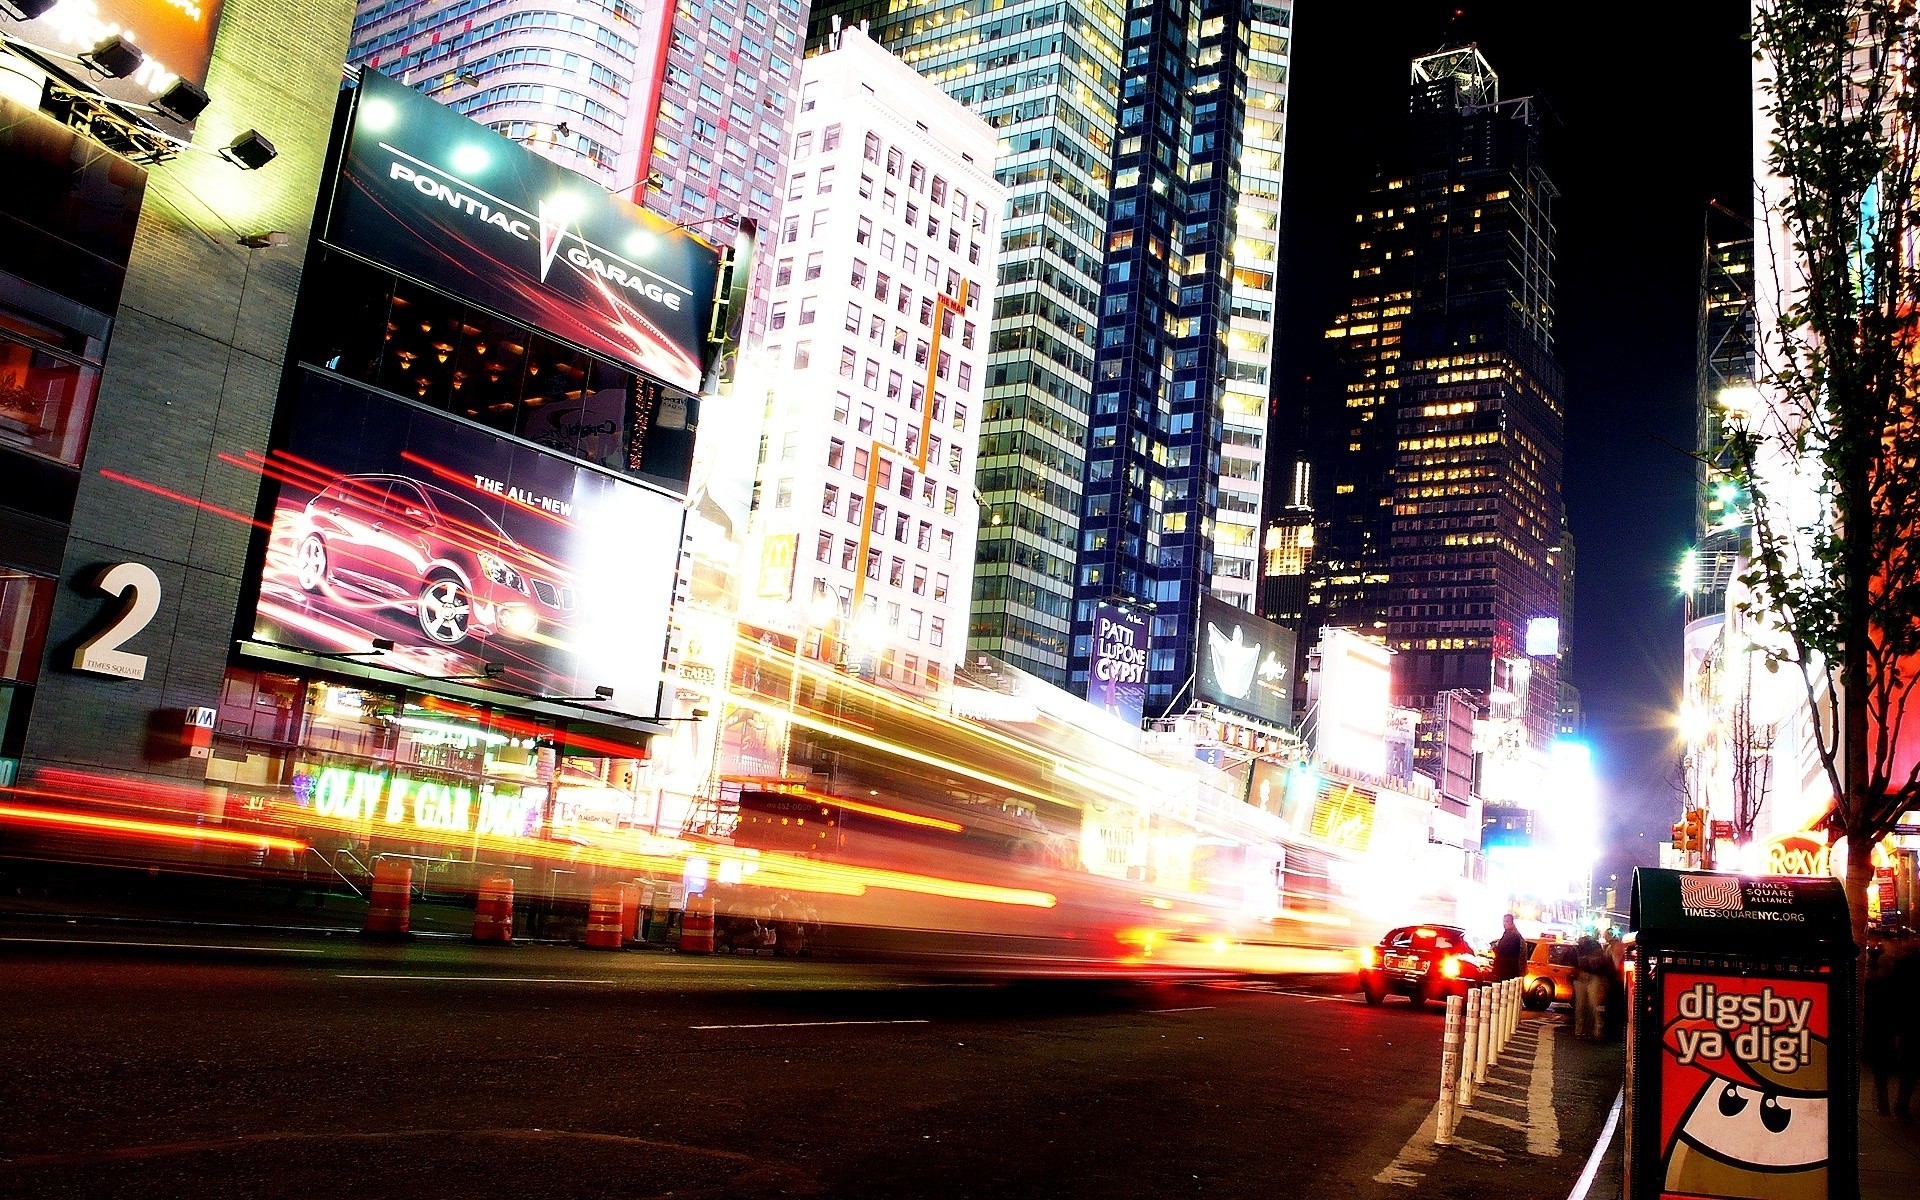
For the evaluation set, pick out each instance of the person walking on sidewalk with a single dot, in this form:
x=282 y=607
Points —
x=1613 y=1025
x=1890 y=1038
x=1591 y=970
x=1509 y=951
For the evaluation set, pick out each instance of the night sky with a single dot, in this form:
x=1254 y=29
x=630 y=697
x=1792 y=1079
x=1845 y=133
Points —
x=1653 y=119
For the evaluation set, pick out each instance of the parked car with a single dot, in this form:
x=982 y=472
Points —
x=422 y=550
x=1424 y=963
x=1549 y=974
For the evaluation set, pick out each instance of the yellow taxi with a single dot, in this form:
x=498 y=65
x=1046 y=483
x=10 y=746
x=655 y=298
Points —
x=1548 y=974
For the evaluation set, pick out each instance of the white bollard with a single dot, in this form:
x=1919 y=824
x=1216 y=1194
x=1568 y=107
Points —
x=1483 y=1057
x=1515 y=994
x=1470 y=1046
x=1449 y=1071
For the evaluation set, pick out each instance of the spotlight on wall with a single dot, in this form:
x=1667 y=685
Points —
x=116 y=58
x=250 y=151
x=27 y=10
x=184 y=101
x=271 y=239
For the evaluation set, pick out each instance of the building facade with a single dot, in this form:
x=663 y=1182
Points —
x=1177 y=437
x=1439 y=509
x=884 y=277
x=1046 y=78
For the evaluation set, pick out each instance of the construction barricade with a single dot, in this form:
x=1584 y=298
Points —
x=390 y=902
x=603 y=918
x=696 y=926
x=493 y=910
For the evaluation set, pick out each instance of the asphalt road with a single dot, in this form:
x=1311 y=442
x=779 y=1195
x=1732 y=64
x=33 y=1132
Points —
x=318 y=1068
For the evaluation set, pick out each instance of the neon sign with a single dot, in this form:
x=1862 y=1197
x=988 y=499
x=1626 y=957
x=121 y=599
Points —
x=371 y=796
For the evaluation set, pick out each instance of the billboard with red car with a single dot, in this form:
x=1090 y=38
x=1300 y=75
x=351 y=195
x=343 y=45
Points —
x=477 y=556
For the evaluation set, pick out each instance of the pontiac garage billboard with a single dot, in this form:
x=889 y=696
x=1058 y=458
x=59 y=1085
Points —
x=479 y=557
x=431 y=194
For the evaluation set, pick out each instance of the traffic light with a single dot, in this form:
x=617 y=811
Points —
x=1693 y=831
x=1679 y=835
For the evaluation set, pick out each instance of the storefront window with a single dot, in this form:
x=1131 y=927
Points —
x=367 y=771
x=25 y=601
x=364 y=323
x=46 y=398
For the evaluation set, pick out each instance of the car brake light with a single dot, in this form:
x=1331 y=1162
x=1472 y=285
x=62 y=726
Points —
x=1450 y=966
x=1369 y=956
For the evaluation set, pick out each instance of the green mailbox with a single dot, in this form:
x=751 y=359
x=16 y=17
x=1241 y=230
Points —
x=1741 y=1064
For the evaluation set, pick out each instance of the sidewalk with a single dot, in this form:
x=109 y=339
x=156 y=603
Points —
x=1889 y=1152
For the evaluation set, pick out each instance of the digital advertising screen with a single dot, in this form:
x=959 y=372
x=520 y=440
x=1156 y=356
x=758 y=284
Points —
x=447 y=201
x=1246 y=663
x=479 y=557
x=1117 y=682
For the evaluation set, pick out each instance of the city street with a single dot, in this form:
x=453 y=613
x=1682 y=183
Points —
x=226 y=1064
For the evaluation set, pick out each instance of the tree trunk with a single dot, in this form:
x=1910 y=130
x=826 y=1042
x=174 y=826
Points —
x=1859 y=879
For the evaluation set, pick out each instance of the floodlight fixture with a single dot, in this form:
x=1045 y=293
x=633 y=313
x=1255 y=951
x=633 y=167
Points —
x=250 y=151
x=116 y=57
x=184 y=101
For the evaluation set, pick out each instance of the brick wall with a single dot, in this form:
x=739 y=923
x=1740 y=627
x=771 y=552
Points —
x=192 y=373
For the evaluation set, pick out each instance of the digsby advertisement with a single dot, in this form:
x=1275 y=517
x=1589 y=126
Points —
x=1744 y=1088
x=448 y=201
x=1246 y=664
x=1117 y=683
x=480 y=558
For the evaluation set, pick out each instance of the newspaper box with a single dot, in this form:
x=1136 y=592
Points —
x=1740 y=1048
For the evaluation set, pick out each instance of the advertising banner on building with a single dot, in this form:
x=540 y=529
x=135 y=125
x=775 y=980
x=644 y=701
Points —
x=478 y=557
x=1743 y=1079
x=1245 y=664
x=176 y=37
x=1117 y=681
x=447 y=201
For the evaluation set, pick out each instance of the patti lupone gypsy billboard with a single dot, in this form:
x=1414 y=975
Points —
x=479 y=557
x=450 y=202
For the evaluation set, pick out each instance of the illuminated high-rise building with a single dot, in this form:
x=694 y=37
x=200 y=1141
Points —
x=1439 y=507
x=883 y=279
x=1046 y=76
x=1176 y=449
x=1124 y=448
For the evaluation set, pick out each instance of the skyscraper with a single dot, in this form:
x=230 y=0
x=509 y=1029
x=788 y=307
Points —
x=1724 y=359
x=883 y=279
x=1440 y=451
x=1046 y=77
x=1127 y=398
x=1177 y=440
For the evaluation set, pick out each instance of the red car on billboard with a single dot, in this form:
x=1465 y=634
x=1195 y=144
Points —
x=423 y=551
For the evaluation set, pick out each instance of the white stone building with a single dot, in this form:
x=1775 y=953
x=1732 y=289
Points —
x=884 y=268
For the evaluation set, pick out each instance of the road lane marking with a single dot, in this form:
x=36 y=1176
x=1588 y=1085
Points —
x=473 y=979
x=814 y=1024
x=1195 y=1008
x=1543 y=1124
x=159 y=945
x=1420 y=1152
x=1585 y=1183
x=1319 y=999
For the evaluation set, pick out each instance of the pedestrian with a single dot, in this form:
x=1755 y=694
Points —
x=1613 y=1024
x=1591 y=969
x=1509 y=951
x=1890 y=1042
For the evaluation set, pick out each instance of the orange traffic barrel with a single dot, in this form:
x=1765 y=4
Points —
x=696 y=927
x=603 y=918
x=629 y=912
x=493 y=910
x=389 y=906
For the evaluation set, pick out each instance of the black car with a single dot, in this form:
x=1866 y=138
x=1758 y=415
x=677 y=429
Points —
x=1421 y=962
